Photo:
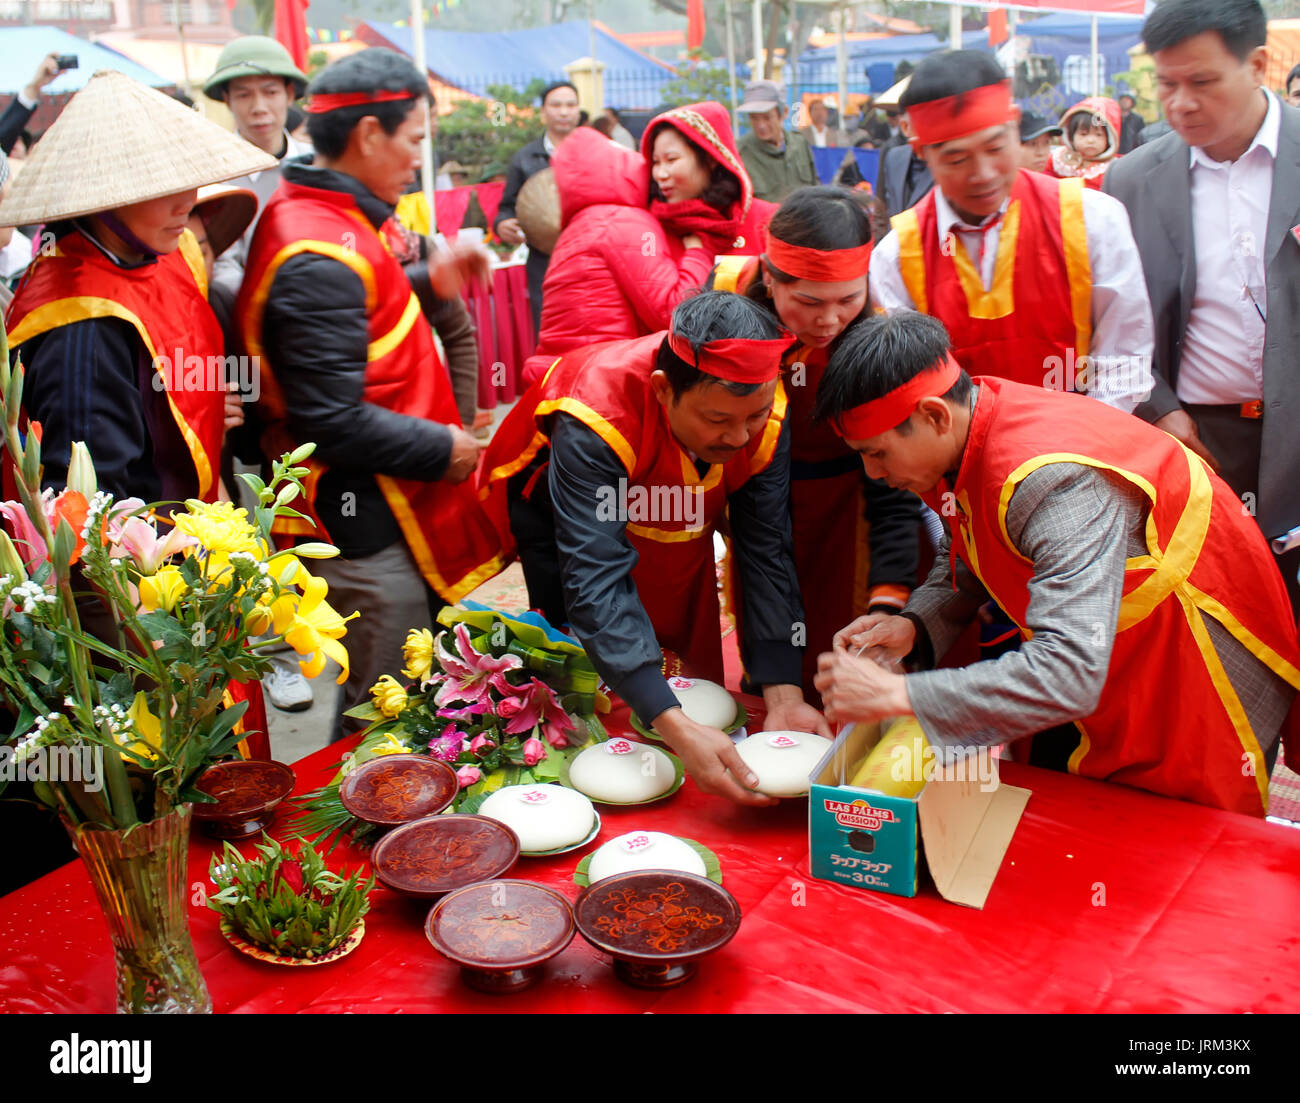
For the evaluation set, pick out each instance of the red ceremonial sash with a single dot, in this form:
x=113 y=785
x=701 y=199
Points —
x=450 y=537
x=1040 y=303
x=166 y=304
x=1169 y=719
x=607 y=388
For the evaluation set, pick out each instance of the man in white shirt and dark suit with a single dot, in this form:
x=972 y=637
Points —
x=1215 y=207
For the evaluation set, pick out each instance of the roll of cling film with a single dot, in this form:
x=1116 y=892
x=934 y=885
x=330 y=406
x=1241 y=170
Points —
x=895 y=766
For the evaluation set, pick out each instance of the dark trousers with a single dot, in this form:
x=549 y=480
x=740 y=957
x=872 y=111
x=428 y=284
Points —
x=1234 y=441
x=532 y=521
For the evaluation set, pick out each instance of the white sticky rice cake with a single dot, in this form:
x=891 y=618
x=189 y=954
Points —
x=643 y=850
x=545 y=817
x=783 y=760
x=704 y=702
x=622 y=772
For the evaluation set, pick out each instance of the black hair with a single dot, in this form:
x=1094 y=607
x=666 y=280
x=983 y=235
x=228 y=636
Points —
x=880 y=354
x=1241 y=24
x=819 y=217
x=1094 y=121
x=613 y=111
x=373 y=70
x=293 y=118
x=552 y=87
x=723 y=190
x=951 y=73
x=1295 y=72
x=713 y=316
x=583 y=118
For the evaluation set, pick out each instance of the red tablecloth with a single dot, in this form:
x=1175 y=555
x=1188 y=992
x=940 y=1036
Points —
x=1201 y=912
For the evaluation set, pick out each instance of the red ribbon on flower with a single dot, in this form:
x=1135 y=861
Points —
x=332 y=101
x=818 y=265
x=959 y=116
x=736 y=359
x=884 y=413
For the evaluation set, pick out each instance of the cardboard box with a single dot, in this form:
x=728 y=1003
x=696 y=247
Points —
x=868 y=840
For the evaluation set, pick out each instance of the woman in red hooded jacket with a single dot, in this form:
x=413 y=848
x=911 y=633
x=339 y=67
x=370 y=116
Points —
x=641 y=231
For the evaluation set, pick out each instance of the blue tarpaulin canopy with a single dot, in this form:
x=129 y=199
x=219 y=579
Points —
x=21 y=50
x=473 y=60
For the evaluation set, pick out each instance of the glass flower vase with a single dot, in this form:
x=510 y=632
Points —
x=140 y=878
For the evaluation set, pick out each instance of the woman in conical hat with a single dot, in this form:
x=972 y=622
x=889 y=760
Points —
x=112 y=322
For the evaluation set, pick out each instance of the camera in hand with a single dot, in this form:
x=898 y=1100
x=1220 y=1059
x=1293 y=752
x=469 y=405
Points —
x=67 y=61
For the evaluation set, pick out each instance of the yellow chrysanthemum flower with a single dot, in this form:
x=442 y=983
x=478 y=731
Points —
x=220 y=527
x=418 y=653
x=389 y=696
x=163 y=589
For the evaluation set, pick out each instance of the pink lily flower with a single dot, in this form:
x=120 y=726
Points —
x=448 y=746
x=470 y=676
x=554 y=721
x=25 y=537
x=136 y=537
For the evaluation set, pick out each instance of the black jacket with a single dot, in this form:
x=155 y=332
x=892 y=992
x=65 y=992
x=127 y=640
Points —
x=904 y=179
x=315 y=336
x=12 y=122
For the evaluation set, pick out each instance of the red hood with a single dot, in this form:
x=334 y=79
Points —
x=708 y=125
x=1105 y=109
x=590 y=169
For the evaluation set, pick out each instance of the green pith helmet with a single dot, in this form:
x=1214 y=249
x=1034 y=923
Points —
x=254 y=55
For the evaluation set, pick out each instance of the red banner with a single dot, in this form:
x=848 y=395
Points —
x=291 y=29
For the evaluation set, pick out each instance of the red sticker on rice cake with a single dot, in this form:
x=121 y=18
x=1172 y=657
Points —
x=620 y=746
x=633 y=844
x=782 y=741
x=677 y=682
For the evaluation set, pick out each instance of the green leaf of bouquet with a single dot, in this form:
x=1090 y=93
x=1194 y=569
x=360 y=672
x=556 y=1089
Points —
x=165 y=628
x=366 y=711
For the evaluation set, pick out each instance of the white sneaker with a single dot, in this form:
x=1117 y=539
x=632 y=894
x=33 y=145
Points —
x=287 y=689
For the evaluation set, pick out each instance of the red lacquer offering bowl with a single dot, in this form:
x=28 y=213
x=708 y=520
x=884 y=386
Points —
x=656 y=924
x=247 y=795
x=398 y=788
x=438 y=854
x=501 y=933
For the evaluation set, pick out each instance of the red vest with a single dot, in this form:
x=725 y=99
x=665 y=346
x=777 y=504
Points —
x=1040 y=303
x=450 y=537
x=1169 y=719
x=167 y=306
x=607 y=388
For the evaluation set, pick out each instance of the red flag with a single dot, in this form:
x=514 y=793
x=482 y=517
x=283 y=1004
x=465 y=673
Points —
x=291 y=29
x=998 y=27
x=694 y=24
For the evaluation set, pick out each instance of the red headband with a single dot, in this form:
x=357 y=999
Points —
x=884 y=413
x=332 y=101
x=819 y=265
x=736 y=360
x=943 y=121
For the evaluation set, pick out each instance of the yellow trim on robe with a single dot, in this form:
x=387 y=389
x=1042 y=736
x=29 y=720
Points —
x=193 y=254
x=521 y=461
x=911 y=258
x=999 y=300
x=423 y=554
x=667 y=536
x=381 y=347
x=81 y=308
x=593 y=421
x=727 y=272
x=771 y=431
x=1078 y=263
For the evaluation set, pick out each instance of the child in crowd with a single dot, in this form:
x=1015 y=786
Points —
x=1091 y=141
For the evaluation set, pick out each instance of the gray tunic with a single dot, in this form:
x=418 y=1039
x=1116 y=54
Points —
x=1077 y=525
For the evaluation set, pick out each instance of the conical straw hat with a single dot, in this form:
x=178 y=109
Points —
x=120 y=142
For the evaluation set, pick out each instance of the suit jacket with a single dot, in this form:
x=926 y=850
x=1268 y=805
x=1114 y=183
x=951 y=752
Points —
x=12 y=122
x=904 y=179
x=1154 y=183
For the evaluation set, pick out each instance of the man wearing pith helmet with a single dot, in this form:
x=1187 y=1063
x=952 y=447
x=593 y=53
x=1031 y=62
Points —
x=1155 y=620
x=257 y=79
x=348 y=362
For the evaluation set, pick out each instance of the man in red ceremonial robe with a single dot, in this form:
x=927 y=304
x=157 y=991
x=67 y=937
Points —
x=1155 y=617
x=348 y=361
x=612 y=474
x=1036 y=279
